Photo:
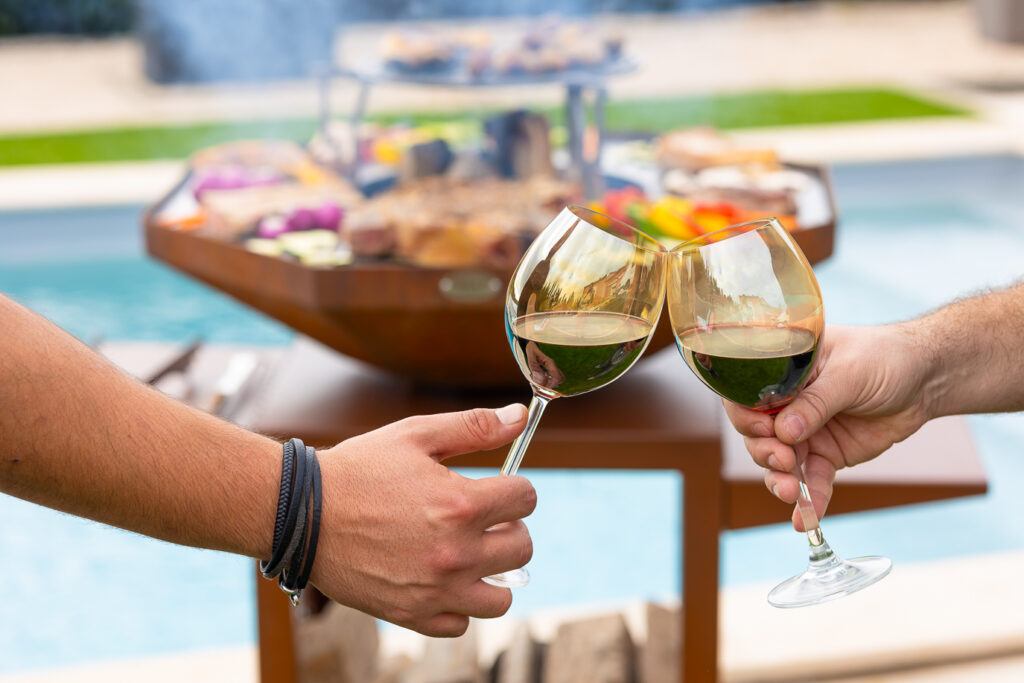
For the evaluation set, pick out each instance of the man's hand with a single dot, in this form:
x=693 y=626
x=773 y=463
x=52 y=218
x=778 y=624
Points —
x=866 y=393
x=401 y=537
x=406 y=539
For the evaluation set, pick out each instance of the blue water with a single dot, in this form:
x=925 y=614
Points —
x=86 y=270
x=913 y=236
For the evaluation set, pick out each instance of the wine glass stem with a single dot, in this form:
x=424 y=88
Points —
x=518 y=450
x=819 y=548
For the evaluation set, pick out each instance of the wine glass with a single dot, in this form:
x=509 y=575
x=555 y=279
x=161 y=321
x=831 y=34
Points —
x=580 y=309
x=747 y=315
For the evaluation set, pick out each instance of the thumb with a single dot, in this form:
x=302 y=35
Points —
x=812 y=408
x=479 y=429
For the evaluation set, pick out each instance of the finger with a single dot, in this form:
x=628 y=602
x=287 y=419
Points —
x=504 y=547
x=771 y=454
x=501 y=499
x=784 y=486
x=446 y=625
x=820 y=505
x=481 y=600
x=815 y=405
x=749 y=422
x=820 y=475
x=479 y=429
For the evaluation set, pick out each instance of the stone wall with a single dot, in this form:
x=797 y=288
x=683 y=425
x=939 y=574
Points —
x=342 y=645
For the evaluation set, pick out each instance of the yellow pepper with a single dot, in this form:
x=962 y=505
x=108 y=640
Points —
x=386 y=152
x=709 y=220
x=669 y=216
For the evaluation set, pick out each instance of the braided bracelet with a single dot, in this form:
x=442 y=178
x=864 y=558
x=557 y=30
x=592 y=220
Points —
x=297 y=524
x=292 y=473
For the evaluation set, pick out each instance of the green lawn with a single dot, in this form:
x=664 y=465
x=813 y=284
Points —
x=745 y=110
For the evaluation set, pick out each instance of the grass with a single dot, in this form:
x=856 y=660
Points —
x=772 y=108
x=142 y=143
x=644 y=116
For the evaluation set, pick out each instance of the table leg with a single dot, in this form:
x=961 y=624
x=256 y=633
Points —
x=702 y=523
x=277 y=644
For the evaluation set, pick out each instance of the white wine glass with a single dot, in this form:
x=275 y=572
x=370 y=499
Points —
x=580 y=310
x=748 y=317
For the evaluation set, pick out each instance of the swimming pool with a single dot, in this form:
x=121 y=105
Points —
x=913 y=235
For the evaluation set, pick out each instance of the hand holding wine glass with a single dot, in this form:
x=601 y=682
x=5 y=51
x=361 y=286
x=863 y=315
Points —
x=748 y=318
x=857 y=404
x=581 y=307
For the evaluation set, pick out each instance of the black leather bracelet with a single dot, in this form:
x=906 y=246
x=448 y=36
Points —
x=287 y=468
x=293 y=507
x=297 y=525
x=283 y=497
x=292 y=569
x=299 y=502
x=295 y=581
x=295 y=513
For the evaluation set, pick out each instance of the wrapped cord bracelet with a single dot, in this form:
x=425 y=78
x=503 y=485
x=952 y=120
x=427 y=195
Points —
x=297 y=524
x=287 y=507
x=294 y=578
x=287 y=467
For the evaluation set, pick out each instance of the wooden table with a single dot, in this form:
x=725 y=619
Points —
x=656 y=417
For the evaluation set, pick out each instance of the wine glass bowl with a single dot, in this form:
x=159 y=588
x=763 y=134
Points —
x=583 y=302
x=747 y=315
x=746 y=312
x=580 y=309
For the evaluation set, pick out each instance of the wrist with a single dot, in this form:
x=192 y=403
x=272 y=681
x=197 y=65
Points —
x=928 y=369
x=256 y=528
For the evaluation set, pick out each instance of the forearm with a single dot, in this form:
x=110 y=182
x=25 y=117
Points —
x=974 y=352
x=82 y=437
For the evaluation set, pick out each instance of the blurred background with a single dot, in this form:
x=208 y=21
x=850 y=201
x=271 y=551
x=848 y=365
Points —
x=434 y=134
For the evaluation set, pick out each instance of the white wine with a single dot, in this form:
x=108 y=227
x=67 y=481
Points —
x=760 y=366
x=563 y=353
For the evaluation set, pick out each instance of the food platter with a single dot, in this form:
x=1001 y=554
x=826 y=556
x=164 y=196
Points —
x=434 y=326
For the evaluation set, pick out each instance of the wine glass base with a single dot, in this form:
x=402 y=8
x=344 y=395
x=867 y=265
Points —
x=829 y=581
x=517 y=578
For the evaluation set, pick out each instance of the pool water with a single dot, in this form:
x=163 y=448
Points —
x=913 y=236
x=85 y=269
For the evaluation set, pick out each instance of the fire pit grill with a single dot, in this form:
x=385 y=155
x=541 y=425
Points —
x=577 y=81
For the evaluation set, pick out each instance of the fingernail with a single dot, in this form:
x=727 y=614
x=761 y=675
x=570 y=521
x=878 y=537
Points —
x=775 y=490
x=794 y=426
x=761 y=429
x=773 y=463
x=510 y=414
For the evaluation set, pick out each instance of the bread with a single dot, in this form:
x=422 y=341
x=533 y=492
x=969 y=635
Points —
x=694 y=149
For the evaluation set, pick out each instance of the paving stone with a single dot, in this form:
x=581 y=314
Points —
x=520 y=662
x=395 y=669
x=598 y=650
x=338 y=645
x=661 y=655
x=449 y=660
